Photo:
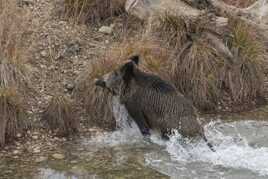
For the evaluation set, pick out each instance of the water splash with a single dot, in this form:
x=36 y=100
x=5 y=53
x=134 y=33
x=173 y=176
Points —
x=239 y=146
x=232 y=144
x=127 y=131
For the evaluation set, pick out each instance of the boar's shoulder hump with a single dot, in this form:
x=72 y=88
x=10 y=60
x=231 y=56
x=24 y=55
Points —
x=153 y=82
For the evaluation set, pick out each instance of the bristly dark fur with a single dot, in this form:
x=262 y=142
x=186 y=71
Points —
x=155 y=103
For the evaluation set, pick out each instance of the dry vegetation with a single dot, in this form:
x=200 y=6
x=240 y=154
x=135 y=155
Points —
x=60 y=116
x=13 y=118
x=174 y=48
x=13 y=54
x=240 y=3
x=13 y=27
x=14 y=76
x=93 y=11
x=199 y=71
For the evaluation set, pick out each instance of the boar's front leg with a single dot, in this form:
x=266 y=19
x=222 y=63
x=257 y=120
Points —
x=139 y=118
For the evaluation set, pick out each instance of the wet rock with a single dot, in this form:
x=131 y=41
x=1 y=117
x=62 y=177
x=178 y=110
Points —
x=58 y=156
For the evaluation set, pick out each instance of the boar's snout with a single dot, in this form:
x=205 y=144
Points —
x=99 y=82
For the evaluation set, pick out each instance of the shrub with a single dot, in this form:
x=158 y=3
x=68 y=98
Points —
x=59 y=116
x=13 y=116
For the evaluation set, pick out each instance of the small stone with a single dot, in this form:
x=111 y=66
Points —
x=35 y=137
x=15 y=152
x=106 y=29
x=36 y=150
x=44 y=53
x=41 y=159
x=58 y=156
x=78 y=170
x=70 y=86
x=19 y=135
x=43 y=66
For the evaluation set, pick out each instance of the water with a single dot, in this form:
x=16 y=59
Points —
x=241 y=152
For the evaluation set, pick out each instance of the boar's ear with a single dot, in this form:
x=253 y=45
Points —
x=127 y=71
x=135 y=59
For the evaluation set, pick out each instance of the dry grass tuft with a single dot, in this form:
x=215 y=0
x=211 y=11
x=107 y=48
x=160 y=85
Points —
x=13 y=53
x=93 y=11
x=95 y=100
x=245 y=78
x=196 y=74
x=199 y=70
x=170 y=28
x=13 y=26
x=15 y=75
x=13 y=117
x=155 y=58
x=59 y=116
x=178 y=30
x=202 y=74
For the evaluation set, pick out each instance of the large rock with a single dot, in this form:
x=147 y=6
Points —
x=143 y=9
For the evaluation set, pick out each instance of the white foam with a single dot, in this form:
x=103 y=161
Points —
x=127 y=131
x=231 y=141
x=230 y=152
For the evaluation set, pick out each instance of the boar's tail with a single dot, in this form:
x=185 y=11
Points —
x=209 y=144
